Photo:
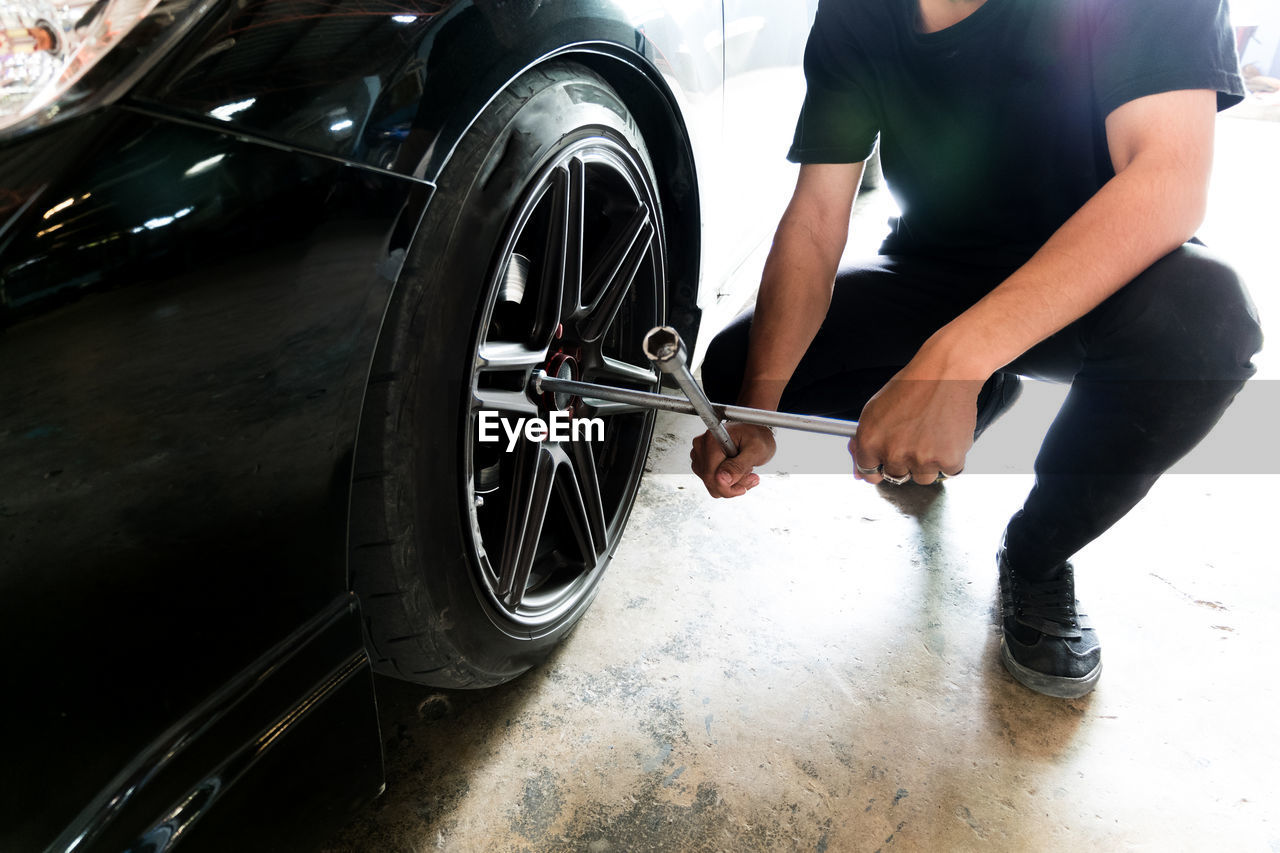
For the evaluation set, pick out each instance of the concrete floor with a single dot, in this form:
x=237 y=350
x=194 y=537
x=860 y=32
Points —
x=815 y=667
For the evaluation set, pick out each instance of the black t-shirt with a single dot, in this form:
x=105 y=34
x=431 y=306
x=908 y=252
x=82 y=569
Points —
x=992 y=130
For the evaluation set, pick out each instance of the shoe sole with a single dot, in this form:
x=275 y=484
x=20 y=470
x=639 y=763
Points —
x=1057 y=686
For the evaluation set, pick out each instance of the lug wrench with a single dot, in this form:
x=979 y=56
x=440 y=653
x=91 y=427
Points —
x=664 y=347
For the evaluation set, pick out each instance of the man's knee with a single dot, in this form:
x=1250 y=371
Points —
x=725 y=362
x=1188 y=316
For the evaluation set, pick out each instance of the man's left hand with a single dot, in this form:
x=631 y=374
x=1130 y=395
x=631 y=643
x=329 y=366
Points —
x=916 y=427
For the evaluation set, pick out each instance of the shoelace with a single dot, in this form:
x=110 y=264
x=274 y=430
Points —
x=1053 y=601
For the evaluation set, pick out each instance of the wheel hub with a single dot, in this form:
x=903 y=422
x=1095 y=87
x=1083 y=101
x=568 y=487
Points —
x=561 y=365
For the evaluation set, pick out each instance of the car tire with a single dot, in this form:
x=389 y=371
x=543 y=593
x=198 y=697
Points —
x=542 y=248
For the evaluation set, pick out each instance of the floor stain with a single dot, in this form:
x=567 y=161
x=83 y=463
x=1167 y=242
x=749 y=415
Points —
x=1212 y=605
x=540 y=805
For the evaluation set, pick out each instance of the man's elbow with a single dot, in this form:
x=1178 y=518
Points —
x=1190 y=177
x=1178 y=194
x=1194 y=209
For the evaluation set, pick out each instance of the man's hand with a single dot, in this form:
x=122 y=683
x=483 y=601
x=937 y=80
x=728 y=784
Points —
x=917 y=428
x=795 y=292
x=727 y=477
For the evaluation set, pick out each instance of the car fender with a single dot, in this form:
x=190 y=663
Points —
x=396 y=91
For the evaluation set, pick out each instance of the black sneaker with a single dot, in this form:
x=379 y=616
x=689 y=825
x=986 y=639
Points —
x=1047 y=644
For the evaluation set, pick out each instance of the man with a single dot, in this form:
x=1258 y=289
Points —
x=1051 y=159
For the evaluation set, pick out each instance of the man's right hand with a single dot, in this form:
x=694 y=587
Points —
x=795 y=292
x=729 y=477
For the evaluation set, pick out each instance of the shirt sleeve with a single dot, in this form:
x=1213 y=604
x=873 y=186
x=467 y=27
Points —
x=1146 y=47
x=838 y=122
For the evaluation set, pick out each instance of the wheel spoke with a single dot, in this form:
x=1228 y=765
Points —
x=560 y=273
x=613 y=276
x=586 y=507
x=565 y=240
x=516 y=402
x=530 y=493
x=613 y=370
x=505 y=355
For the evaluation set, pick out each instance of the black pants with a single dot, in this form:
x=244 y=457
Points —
x=1151 y=370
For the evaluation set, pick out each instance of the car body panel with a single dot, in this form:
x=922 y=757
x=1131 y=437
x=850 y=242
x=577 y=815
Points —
x=764 y=88
x=280 y=711
x=391 y=88
x=397 y=90
x=180 y=395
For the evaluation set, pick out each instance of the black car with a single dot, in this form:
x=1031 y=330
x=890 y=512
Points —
x=263 y=263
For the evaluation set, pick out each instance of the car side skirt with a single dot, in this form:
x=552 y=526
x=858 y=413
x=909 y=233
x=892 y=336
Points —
x=248 y=748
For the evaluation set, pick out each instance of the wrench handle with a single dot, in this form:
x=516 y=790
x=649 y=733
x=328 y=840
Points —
x=641 y=400
x=663 y=346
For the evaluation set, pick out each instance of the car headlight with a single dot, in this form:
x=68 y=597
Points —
x=58 y=56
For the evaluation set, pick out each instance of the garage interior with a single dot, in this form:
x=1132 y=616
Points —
x=815 y=666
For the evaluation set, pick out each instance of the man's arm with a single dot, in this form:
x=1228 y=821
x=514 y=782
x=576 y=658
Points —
x=1162 y=149
x=795 y=292
x=795 y=289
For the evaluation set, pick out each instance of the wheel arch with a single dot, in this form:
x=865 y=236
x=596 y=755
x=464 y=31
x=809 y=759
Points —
x=656 y=110
x=412 y=89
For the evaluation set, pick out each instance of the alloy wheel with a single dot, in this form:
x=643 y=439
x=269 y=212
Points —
x=577 y=284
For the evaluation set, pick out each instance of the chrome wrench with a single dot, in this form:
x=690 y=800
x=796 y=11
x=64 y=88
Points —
x=664 y=347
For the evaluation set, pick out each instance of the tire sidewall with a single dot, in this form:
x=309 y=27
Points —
x=454 y=263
